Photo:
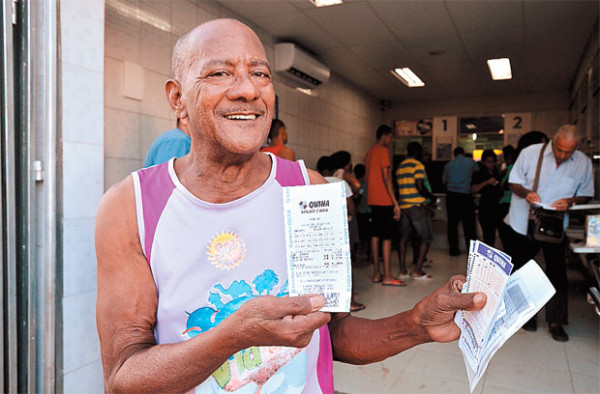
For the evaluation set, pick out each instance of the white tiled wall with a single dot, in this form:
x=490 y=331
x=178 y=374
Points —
x=144 y=32
x=82 y=65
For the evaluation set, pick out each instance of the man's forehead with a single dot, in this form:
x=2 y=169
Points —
x=566 y=144
x=224 y=35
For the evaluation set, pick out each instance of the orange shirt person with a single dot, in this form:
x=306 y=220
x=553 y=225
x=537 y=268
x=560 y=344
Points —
x=277 y=140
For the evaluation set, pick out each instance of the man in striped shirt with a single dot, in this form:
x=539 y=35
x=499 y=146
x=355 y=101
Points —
x=413 y=194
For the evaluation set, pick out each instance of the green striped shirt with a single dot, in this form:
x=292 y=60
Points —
x=408 y=172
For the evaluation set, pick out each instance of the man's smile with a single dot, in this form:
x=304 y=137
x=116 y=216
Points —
x=241 y=117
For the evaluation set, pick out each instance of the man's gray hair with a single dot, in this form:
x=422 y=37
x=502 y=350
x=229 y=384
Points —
x=179 y=58
x=568 y=132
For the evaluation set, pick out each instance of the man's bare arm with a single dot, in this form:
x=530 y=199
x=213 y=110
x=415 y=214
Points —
x=387 y=180
x=564 y=203
x=530 y=196
x=126 y=314
x=362 y=341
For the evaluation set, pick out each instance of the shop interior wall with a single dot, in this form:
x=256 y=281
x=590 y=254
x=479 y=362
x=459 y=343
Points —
x=549 y=111
x=81 y=123
x=142 y=34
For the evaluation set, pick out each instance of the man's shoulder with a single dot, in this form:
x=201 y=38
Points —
x=411 y=162
x=533 y=150
x=581 y=157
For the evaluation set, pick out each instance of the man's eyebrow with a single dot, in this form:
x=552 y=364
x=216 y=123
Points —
x=260 y=62
x=216 y=63
x=229 y=63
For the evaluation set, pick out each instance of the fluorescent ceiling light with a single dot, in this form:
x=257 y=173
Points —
x=407 y=77
x=325 y=3
x=500 y=68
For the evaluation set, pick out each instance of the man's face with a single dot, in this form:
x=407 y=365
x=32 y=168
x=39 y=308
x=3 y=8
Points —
x=284 y=136
x=490 y=163
x=227 y=89
x=386 y=139
x=563 y=149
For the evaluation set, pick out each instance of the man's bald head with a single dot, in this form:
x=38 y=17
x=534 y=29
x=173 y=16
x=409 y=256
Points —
x=565 y=143
x=568 y=132
x=189 y=43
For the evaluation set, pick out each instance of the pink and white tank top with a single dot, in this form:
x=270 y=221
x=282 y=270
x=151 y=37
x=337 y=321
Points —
x=208 y=259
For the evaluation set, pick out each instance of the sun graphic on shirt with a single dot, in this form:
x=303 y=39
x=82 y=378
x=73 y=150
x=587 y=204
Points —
x=226 y=250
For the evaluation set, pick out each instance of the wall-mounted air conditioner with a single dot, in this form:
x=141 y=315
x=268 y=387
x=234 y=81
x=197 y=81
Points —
x=298 y=67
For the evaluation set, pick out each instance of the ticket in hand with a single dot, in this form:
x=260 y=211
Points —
x=317 y=243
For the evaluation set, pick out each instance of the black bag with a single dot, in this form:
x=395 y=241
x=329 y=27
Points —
x=544 y=225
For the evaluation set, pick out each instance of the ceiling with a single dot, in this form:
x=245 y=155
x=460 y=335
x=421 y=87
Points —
x=361 y=41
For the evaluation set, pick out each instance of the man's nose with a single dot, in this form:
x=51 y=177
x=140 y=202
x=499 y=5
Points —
x=243 y=88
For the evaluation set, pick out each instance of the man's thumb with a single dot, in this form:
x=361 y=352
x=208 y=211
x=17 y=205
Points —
x=470 y=301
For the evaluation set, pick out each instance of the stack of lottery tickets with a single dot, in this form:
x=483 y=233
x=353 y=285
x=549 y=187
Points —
x=511 y=301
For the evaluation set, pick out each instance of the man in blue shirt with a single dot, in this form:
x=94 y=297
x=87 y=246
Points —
x=565 y=179
x=173 y=143
x=459 y=201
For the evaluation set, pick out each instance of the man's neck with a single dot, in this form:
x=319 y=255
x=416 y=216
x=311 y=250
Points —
x=222 y=178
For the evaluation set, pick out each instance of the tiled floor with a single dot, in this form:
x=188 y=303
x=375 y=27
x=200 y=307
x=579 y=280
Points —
x=528 y=362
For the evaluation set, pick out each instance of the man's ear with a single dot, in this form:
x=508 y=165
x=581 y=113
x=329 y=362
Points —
x=174 y=96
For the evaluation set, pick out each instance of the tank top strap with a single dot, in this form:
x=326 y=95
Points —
x=153 y=187
x=291 y=173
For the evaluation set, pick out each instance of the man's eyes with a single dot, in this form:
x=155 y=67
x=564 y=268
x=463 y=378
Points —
x=218 y=74
x=262 y=74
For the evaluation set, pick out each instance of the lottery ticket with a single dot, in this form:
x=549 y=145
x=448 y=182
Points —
x=317 y=243
x=511 y=301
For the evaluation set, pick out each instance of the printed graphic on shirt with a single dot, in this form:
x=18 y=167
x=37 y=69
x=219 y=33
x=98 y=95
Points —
x=256 y=364
x=226 y=250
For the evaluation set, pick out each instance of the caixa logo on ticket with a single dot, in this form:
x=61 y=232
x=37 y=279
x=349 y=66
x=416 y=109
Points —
x=313 y=206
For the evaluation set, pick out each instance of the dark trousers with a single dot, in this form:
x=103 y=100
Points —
x=522 y=249
x=504 y=229
x=460 y=208
x=488 y=221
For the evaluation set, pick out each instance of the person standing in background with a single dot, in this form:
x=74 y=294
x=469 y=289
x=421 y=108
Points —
x=565 y=179
x=384 y=207
x=510 y=155
x=277 y=139
x=326 y=167
x=415 y=217
x=459 y=200
x=172 y=143
x=363 y=212
x=486 y=182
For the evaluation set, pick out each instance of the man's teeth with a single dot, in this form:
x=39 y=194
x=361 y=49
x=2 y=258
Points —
x=241 y=117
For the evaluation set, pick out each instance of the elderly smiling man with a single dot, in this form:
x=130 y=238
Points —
x=192 y=278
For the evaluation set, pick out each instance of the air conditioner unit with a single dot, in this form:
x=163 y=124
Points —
x=299 y=67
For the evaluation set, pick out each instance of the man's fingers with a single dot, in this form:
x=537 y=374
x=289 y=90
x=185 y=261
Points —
x=457 y=282
x=300 y=305
x=311 y=321
x=468 y=302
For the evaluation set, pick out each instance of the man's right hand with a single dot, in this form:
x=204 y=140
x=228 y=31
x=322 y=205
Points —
x=274 y=321
x=532 y=198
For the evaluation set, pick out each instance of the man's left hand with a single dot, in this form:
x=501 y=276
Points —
x=435 y=313
x=562 y=204
x=396 y=212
